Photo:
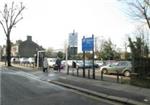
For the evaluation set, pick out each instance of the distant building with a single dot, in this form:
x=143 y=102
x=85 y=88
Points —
x=72 y=52
x=4 y=50
x=73 y=45
x=27 y=48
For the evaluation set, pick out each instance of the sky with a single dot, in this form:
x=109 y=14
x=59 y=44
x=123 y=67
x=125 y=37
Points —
x=49 y=22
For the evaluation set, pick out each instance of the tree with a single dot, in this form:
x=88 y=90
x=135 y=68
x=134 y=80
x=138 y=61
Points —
x=60 y=55
x=108 y=51
x=49 y=52
x=10 y=16
x=137 y=56
x=99 y=44
x=139 y=10
x=142 y=42
x=139 y=51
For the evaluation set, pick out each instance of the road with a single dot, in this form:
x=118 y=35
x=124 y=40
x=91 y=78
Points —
x=20 y=88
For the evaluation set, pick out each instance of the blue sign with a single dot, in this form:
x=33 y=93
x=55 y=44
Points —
x=88 y=43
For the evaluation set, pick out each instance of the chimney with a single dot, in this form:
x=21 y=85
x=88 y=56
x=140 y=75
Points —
x=29 y=38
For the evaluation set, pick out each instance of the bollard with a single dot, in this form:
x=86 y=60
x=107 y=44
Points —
x=72 y=71
x=77 y=71
x=121 y=79
x=68 y=70
x=102 y=75
x=117 y=76
x=83 y=72
x=88 y=73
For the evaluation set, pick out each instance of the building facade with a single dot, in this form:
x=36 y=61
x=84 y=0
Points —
x=72 y=45
x=27 y=48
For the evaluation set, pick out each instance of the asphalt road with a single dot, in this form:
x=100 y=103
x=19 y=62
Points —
x=20 y=88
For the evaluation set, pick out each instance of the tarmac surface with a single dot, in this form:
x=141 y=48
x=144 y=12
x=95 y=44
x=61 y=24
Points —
x=124 y=93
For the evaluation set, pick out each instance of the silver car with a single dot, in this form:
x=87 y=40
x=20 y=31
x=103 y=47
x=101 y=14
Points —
x=122 y=67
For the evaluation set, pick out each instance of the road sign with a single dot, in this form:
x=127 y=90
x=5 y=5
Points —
x=73 y=39
x=87 y=43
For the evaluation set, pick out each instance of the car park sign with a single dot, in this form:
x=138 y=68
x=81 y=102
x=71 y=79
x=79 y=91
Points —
x=88 y=43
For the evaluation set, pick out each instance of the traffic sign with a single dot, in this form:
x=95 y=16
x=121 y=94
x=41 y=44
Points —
x=88 y=43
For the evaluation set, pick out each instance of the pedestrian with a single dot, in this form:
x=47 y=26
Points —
x=73 y=64
x=45 y=65
x=58 y=63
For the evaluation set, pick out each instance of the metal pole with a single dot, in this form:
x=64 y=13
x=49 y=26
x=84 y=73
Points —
x=66 y=64
x=37 y=59
x=117 y=76
x=89 y=73
x=93 y=59
x=77 y=71
x=68 y=70
x=83 y=63
x=102 y=75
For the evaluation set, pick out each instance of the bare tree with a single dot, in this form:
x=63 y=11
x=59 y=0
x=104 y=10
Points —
x=138 y=9
x=10 y=16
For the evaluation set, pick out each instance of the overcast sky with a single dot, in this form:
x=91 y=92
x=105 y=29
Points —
x=49 y=22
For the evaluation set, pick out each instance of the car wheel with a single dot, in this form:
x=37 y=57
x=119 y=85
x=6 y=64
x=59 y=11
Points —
x=104 y=71
x=126 y=73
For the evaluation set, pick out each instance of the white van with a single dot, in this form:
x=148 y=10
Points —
x=51 y=61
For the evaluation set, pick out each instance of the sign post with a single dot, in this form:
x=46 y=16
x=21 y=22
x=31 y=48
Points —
x=83 y=44
x=88 y=45
x=93 y=58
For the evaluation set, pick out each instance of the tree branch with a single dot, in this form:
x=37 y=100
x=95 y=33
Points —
x=12 y=13
x=147 y=2
x=3 y=27
x=147 y=20
x=19 y=12
x=18 y=20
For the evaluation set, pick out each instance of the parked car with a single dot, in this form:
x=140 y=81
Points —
x=24 y=60
x=31 y=60
x=100 y=63
x=15 y=60
x=88 y=64
x=123 y=67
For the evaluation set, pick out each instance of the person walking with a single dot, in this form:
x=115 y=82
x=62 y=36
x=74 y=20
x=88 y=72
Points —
x=73 y=67
x=58 y=63
x=45 y=65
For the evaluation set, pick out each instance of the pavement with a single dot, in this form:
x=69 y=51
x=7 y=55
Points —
x=127 y=94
